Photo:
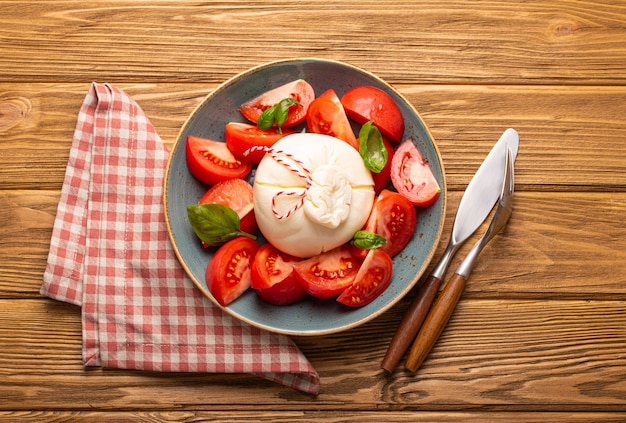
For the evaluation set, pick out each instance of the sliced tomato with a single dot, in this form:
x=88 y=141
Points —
x=372 y=280
x=299 y=90
x=412 y=176
x=382 y=178
x=228 y=272
x=393 y=217
x=240 y=137
x=326 y=116
x=365 y=103
x=211 y=161
x=328 y=274
x=238 y=195
x=273 y=276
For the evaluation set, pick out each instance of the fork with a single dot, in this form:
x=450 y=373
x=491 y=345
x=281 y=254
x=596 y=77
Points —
x=443 y=308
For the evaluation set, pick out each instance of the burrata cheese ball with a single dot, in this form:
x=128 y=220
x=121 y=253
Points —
x=312 y=192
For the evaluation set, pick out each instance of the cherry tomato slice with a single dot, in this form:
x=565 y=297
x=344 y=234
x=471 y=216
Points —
x=238 y=195
x=372 y=280
x=382 y=178
x=228 y=272
x=326 y=116
x=211 y=161
x=299 y=90
x=328 y=274
x=242 y=136
x=412 y=176
x=365 y=103
x=273 y=276
x=393 y=217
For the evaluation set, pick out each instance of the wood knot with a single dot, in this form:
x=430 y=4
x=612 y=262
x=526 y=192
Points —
x=12 y=111
x=565 y=28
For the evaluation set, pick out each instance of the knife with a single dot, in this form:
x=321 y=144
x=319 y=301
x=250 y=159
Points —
x=442 y=309
x=476 y=203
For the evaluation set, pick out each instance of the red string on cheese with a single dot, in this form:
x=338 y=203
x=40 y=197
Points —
x=296 y=167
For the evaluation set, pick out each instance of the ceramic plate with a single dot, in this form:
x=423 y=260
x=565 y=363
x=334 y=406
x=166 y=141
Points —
x=309 y=316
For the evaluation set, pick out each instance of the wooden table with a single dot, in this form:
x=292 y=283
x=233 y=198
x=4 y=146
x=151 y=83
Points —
x=540 y=333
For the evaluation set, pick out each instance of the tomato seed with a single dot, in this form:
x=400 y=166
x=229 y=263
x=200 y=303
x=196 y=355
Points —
x=221 y=162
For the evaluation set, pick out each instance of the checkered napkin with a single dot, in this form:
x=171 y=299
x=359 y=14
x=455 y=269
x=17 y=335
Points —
x=111 y=255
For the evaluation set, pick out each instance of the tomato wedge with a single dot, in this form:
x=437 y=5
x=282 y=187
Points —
x=238 y=195
x=211 y=161
x=412 y=176
x=242 y=136
x=393 y=217
x=327 y=116
x=273 y=276
x=372 y=280
x=328 y=274
x=299 y=90
x=365 y=103
x=228 y=272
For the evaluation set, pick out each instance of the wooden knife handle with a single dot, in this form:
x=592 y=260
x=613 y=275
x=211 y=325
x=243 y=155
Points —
x=411 y=323
x=435 y=322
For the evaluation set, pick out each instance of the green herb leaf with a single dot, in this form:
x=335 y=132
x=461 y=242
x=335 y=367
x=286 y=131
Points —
x=372 y=148
x=277 y=114
x=267 y=118
x=282 y=110
x=215 y=224
x=366 y=240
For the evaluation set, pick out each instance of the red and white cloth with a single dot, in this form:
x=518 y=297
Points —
x=111 y=255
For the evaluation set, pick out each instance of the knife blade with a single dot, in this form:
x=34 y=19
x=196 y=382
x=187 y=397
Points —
x=477 y=201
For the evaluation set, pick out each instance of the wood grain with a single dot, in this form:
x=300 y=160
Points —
x=558 y=42
x=570 y=138
x=533 y=354
x=556 y=245
x=308 y=416
x=540 y=331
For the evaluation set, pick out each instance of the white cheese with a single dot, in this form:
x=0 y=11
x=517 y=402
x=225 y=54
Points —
x=311 y=194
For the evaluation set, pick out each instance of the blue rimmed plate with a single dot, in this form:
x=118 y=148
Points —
x=309 y=316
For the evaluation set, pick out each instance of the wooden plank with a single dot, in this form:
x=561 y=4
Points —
x=308 y=416
x=27 y=219
x=571 y=138
x=39 y=123
x=556 y=245
x=562 y=42
x=495 y=355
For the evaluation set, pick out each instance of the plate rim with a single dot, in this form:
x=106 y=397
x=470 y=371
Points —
x=309 y=332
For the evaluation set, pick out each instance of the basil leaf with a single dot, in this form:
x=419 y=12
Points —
x=215 y=224
x=282 y=110
x=267 y=118
x=366 y=240
x=372 y=148
x=277 y=114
